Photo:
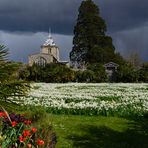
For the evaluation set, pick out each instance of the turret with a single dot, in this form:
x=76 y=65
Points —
x=49 y=47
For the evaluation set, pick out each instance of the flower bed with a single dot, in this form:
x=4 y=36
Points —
x=90 y=99
x=16 y=131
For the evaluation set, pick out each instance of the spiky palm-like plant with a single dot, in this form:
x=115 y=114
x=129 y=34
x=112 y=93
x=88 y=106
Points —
x=10 y=86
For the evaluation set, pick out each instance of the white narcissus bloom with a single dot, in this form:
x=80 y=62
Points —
x=102 y=96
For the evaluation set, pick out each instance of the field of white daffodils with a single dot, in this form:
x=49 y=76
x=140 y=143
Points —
x=90 y=99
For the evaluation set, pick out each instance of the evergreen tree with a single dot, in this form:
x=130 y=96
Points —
x=90 y=44
x=10 y=86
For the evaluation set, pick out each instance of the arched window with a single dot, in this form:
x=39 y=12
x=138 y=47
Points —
x=40 y=61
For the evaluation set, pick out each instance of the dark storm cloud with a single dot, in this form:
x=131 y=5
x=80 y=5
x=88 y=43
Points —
x=60 y=15
x=126 y=21
x=38 y=15
x=132 y=41
x=124 y=14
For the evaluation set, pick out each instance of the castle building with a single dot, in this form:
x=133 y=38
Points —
x=49 y=53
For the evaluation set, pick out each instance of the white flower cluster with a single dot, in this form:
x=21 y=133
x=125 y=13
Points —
x=117 y=97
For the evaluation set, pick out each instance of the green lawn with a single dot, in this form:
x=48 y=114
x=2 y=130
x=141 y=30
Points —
x=79 y=131
x=99 y=132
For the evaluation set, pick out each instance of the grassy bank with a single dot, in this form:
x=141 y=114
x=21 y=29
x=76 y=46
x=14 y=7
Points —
x=67 y=106
x=79 y=131
x=99 y=132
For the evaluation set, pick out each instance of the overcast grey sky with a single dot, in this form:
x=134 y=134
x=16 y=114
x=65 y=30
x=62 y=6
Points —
x=24 y=25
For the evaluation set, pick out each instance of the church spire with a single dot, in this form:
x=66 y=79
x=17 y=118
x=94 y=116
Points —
x=49 y=41
x=49 y=33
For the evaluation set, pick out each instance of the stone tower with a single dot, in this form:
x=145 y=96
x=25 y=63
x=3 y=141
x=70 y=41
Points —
x=49 y=53
x=49 y=47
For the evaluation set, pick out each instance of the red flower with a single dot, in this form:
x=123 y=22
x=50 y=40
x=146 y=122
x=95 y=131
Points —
x=40 y=142
x=27 y=122
x=22 y=139
x=26 y=133
x=13 y=123
x=1 y=114
x=33 y=130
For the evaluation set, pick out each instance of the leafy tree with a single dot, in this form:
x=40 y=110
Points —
x=85 y=76
x=10 y=86
x=135 y=60
x=99 y=72
x=143 y=73
x=24 y=72
x=145 y=66
x=119 y=59
x=57 y=73
x=127 y=73
x=50 y=73
x=35 y=73
x=90 y=44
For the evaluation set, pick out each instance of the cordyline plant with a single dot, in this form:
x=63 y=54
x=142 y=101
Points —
x=10 y=86
x=16 y=132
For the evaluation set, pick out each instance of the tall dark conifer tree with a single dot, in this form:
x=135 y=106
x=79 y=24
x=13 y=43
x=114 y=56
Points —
x=90 y=44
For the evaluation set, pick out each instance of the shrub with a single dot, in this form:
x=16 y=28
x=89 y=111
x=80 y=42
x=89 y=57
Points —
x=85 y=76
x=127 y=73
x=57 y=73
x=99 y=72
x=143 y=73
